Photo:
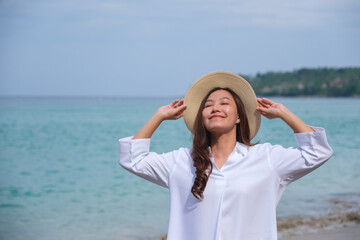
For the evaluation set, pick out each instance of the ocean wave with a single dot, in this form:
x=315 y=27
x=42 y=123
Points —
x=10 y=205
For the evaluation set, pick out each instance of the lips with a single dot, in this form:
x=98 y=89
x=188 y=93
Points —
x=215 y=116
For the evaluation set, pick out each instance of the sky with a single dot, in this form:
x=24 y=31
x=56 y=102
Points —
x=158 y=48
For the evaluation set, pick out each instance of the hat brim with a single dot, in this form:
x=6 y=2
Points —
x=199 y=90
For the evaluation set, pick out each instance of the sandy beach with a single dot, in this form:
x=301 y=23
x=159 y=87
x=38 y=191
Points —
x=345 y=233
x=342 y=221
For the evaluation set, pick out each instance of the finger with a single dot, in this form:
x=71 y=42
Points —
x=259 y=100
x=174 y=102
x=179 y=115
x=262 y=109
x=267 y=101
x=263 y=113
x=261 y=103
x=267 y=105
x=180 y=103
x=179 y=109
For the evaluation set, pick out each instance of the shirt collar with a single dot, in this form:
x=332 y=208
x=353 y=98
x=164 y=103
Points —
x=240 y=148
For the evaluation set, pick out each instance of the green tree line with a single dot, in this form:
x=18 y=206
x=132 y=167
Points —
x=328 y=82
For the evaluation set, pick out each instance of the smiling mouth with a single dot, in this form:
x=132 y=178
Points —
x=215 y=116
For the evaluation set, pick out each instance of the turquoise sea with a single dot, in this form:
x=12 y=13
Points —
x=59 y=176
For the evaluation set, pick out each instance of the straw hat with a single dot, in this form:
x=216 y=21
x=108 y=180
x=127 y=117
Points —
x=199 y=90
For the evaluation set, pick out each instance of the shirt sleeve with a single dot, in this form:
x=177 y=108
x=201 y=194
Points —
x=137 y=159
x=293 y=163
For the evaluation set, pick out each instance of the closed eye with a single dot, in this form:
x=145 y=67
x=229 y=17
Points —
x=224 y=102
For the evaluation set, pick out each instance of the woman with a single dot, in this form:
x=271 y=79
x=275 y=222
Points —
x=225 y=187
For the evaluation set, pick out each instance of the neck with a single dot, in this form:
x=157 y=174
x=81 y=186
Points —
x=222 y=145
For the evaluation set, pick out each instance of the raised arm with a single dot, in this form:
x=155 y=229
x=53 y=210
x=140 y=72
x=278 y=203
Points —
x=172 y=111
x=271 y=110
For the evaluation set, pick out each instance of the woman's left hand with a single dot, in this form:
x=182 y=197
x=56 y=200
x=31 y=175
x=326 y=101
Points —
x=270 y=109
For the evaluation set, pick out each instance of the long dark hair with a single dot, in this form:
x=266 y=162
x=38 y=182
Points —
x=201 y=143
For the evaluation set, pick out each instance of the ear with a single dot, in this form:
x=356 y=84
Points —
x=238 y=119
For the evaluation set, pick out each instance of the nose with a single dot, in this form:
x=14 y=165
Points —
x=215 y=108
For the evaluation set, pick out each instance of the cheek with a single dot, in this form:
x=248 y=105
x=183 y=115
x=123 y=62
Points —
x=205 y=112
x=233 y=114
x=231 y=111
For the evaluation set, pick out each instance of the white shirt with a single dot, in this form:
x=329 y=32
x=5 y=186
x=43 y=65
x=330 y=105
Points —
x=240 y=199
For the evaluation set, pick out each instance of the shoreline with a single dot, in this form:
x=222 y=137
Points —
x=344 y=213
x=343 y=233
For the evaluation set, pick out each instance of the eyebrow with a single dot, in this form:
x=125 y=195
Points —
x=209 y=100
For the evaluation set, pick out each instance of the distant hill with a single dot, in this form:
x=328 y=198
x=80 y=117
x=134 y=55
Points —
x=328 y=82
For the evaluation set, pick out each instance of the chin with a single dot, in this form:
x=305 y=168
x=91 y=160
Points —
x=218 y=130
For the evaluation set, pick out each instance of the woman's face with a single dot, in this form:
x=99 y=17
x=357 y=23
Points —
x=220 y=113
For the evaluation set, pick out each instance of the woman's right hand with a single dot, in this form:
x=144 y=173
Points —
x=172 y=111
